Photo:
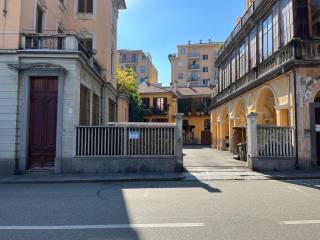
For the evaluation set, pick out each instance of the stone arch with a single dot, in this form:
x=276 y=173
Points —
x=223 y=128
x=265 y=106
x=311 y=91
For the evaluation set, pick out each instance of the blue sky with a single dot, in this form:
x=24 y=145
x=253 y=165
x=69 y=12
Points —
x=158 y=26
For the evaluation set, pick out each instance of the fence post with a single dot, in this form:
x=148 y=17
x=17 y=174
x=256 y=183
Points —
x=252 y=140
x=178 y=140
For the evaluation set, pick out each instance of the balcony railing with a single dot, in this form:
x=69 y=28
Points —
x=128 y=61
x=194 y=79
x=194 y=67
x=59 y=42
x=194 y=55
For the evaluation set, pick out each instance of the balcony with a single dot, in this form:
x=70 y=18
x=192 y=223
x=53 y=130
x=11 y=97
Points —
x=194 y=67
x=128 y=61
x=194 y=107
x=194 y=55
x=194 y=78
x=60 y=42
x=297 y=52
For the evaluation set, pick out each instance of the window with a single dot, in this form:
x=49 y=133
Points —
x=180 y=76
x=302 y=16
x=182 y=51
x=134 y=68
x=207 y=125
x=142 y=69
x=205 y=82
x=286 y=21
x=134 y=58
x=87 y=44
x=253 y=49
x=39 y=25
x=85 y=6
x=205 y=57
x=95 y=110
x=160 y=104
x=84 y=118
x=267 y=38
x=233 y=67
x=112 y=111
x=243 y=59
x=146 y=102
x=205 y=69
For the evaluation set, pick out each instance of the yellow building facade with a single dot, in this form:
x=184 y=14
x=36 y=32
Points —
x=270 y=66
x=159 y=103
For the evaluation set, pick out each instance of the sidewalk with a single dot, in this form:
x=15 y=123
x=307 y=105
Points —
x=200 y=175
x=245 y=174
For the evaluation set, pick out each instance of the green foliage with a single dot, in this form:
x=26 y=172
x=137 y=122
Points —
x=127 y=84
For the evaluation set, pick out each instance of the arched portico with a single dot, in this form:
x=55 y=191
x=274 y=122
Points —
x=266 y=107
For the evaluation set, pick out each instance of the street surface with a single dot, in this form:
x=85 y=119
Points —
x=185 y=210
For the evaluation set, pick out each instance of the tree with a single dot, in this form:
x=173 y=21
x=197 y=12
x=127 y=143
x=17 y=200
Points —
x=127 y=84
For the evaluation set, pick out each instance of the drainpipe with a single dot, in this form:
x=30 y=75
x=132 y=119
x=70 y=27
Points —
x=296 y=117
x=4 y=10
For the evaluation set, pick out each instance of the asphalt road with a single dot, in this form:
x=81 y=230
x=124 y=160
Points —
x=162 y=210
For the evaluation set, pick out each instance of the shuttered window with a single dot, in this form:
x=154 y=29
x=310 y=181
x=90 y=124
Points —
x=84 y=106
x=95 y=110
x=85 y=6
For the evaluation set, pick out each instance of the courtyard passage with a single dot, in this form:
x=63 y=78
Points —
x=198 y=156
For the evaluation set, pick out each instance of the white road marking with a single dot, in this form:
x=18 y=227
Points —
x=300 y=222
x=109 y=226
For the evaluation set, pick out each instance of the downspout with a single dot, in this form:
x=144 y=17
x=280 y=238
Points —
x=4 y=10
x=296 y=117
x=4 y=13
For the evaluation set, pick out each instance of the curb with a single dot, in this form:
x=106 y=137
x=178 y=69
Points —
x=91 y=180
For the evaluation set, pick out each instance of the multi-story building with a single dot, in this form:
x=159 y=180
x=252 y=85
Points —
x=269 y=65
x=194 y=103
x=194 y=64
x=140 y=62
x=159 y=103
x=56 y=71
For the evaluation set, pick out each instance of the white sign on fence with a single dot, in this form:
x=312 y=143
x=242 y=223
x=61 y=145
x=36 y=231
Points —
x=318 y=128
x=134 y=135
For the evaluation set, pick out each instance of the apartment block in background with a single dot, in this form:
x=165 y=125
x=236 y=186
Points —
x=140 y=62
x=57 y=65
x=194 y=64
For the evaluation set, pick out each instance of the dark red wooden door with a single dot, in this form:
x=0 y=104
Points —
x=206 y=138
x=317 y=113
x=42 y=122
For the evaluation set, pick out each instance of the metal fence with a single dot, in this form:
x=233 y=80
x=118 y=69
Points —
x=126 y=139
x=275 y=141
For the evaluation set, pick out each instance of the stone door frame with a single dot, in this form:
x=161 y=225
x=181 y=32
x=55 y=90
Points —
x=313 y=133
